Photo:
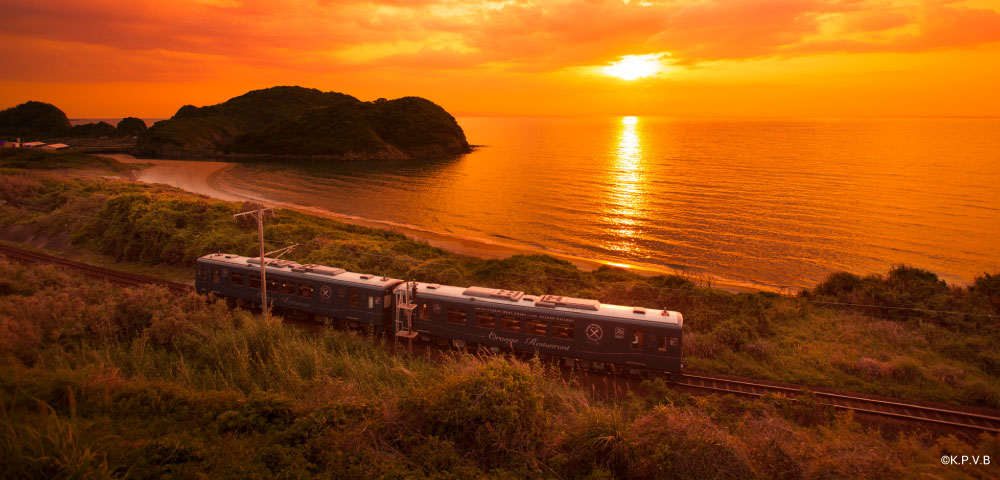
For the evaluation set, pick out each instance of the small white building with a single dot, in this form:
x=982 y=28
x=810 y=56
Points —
x=55 y=146
x=32 y=144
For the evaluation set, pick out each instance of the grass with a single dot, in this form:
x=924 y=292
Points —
x=137 y=383
x=100 y=381
x=810 y=339
x=38 y=159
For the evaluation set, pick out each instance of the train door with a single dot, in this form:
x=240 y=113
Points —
x=201 y=278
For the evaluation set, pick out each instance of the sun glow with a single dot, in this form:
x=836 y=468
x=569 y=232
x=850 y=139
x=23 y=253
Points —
x=632 y=67
x=625 y=209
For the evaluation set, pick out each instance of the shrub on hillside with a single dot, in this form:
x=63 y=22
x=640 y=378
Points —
x=261 y=411
x=681 y=443
x=600 y=439
x=494 y=410
x=988 y=287
x=907 y=292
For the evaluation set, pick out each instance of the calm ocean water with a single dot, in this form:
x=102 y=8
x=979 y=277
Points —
x=768 y=204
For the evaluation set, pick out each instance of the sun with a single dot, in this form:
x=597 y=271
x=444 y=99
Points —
x=632 y=67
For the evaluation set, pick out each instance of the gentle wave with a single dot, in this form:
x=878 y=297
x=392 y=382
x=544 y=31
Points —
x=767 y=204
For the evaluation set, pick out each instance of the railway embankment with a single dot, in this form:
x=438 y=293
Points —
x=103 y=380
x=139 y=378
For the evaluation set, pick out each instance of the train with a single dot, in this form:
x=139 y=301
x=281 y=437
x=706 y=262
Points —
x=575 y=332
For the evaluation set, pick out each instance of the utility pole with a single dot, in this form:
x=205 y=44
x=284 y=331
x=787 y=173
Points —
x=260 y=234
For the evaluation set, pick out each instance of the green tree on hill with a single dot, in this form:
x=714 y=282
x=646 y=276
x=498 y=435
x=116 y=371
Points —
x=33 y=121
x=130 y=127
x=307 y=122
x=93 y=130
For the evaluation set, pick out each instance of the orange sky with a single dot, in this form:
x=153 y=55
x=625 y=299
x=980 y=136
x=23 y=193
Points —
x=108 y=58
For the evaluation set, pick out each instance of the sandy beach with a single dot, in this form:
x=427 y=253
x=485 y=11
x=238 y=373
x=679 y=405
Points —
x=207 y=178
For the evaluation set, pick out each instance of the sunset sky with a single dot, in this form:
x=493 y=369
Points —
x=109 y=58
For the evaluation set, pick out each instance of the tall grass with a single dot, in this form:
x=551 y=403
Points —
x=140 y=383
x=50 y=445
x=812 y=338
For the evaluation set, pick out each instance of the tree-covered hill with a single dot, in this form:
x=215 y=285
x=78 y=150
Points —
x=304 y=122
x=40 y=121
x=33 y=121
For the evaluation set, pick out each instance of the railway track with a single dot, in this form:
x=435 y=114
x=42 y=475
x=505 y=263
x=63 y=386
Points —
x=115 y=276
x=897 y=409
x=948 y=417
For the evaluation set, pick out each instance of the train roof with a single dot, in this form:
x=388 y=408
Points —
x=548 y=303
x=318 y=272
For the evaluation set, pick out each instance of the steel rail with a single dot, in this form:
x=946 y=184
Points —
x=874 y=406
x=740 y=386
x=92 y=271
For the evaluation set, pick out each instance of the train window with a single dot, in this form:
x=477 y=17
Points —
x=486 y=320
x=562 y=330
x=272 y=285
x=236 y=279
x=510 y=323
x=215 y=275
x=371 y=302
x=673 y=341
x=536 y=327
x=306 y=291
x=204 y=274
x=425 y=311
x=636 y=339
x=341 y=292
x=661 y=344
x=456 y=316
x=353 y=299
x=289 y=288
x=255 y=281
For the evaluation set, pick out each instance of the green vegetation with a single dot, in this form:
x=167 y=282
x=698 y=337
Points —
x=101 y=381
x=942 y=350
x=93 y=130
x=33 y=121
x=301 y=122
x=130 y=127
x=36 y=159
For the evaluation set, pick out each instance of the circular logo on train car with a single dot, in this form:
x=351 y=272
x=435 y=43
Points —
x=594 y=332
x=325 y=292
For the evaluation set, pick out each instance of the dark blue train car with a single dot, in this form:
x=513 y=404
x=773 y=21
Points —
x=322 y=293
x=597 y=336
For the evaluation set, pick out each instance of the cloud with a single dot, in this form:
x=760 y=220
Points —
x=148 y=38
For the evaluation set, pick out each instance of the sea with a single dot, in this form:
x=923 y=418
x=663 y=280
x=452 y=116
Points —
x=762 y=203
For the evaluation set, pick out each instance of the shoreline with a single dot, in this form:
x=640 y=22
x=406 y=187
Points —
x=206 y=178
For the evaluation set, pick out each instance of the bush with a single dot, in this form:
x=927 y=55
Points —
x=674 y=443
x=262 y=411
x=51 y=447
x=735 y=333
x=600 y=440
x=493 y=410
x=979 y=393
x=175 y=457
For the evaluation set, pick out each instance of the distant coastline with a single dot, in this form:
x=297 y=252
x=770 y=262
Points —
x=284 y=123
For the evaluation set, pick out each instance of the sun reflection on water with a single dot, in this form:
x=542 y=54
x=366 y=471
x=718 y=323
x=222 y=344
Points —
x=624 y=200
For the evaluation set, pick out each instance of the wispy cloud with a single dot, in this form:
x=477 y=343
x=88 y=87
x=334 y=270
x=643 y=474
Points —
x=157 y=39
